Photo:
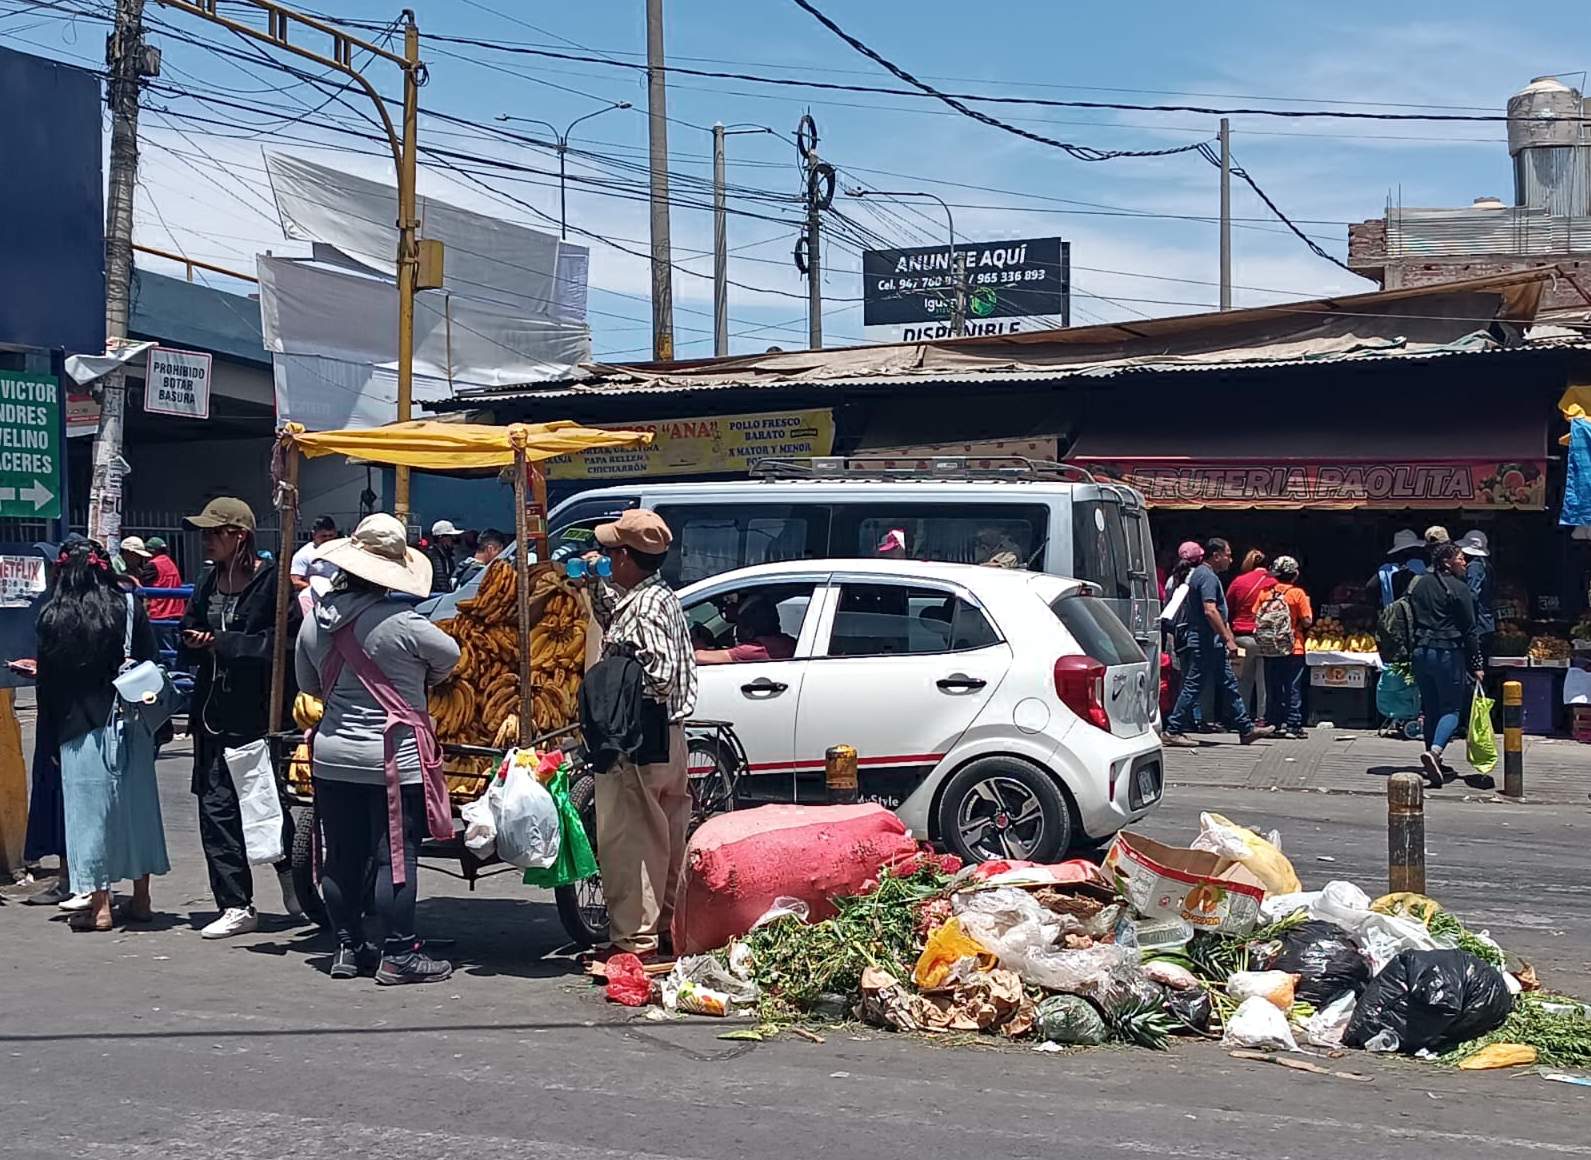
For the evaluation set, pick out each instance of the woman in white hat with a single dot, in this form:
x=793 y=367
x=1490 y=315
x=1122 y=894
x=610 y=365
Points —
x=1482 y=582
x=370 y=658
x=1405 y=561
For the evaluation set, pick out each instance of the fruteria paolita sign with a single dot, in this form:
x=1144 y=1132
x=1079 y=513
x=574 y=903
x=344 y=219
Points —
x=177 y=382
x=1010 y=286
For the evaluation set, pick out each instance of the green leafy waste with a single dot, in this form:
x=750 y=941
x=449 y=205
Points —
x=1444 y=926
x=1557 y=1027
x=797 y=963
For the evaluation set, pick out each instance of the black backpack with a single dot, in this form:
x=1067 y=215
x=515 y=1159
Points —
x=1395 y=629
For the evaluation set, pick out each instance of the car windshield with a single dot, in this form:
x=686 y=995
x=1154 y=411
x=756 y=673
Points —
x=1097 y=630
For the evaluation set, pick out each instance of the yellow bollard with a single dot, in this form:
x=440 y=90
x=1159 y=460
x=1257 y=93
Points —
x=1513 y=739
x=13 y=788
x=839 y=775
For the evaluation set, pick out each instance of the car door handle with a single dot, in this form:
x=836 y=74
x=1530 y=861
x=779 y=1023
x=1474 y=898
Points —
x=762 y=685
x=957 y=681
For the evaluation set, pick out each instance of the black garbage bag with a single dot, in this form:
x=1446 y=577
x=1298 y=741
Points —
x=1326 y=958
x=1192 y=1007
x=1431 y=999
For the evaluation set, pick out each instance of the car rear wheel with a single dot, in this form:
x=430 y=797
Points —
x=1004 y=807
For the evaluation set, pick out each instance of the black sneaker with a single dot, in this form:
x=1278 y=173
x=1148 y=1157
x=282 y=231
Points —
x=351 y=962
x=1431 y=766
x=414 y=967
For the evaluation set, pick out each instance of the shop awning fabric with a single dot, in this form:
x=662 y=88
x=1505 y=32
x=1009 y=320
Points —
x=438 y=446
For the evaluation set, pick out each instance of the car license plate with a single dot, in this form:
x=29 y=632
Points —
x=1148 y=785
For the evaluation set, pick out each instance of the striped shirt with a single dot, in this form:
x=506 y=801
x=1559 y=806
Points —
x=649 y=618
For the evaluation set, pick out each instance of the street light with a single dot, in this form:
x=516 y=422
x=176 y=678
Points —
x=959 y=310
x=562 y=140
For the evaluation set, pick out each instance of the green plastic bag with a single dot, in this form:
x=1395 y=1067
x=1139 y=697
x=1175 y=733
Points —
x=576 y=860
x=1482 y=748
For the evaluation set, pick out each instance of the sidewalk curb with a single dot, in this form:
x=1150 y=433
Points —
x=1479 y=797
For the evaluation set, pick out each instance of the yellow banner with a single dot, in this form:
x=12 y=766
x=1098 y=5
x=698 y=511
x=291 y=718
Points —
x=713 y=444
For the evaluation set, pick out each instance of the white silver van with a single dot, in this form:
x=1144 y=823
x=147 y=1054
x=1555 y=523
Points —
x=1046 y=517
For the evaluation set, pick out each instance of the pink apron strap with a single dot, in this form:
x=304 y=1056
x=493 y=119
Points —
x=438 y=813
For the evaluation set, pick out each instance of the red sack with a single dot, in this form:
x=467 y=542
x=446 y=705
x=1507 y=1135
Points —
x=627 y=981
x=738 y=863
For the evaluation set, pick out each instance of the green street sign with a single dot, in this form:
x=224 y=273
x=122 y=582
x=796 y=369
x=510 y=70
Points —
x=30 y=446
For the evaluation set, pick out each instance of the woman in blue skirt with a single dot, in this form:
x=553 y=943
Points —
x=114 y=832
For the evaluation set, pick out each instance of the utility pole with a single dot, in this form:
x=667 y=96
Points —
x=657 y=138
x=125 y=66
x=955 y=263
x=1226 y=214
x=720 y=248
x=818 y=199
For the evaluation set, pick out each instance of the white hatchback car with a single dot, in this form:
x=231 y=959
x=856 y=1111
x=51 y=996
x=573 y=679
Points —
x=1005 y=714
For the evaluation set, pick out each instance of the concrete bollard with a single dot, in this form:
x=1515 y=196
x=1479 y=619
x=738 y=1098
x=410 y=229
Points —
x=1405 y=833
x=1513 y=739
x=839 y=775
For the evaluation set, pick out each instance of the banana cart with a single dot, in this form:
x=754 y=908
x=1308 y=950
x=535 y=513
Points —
x=521 y=643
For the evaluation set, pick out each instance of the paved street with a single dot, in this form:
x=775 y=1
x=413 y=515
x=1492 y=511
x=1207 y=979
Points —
x=153 y=1043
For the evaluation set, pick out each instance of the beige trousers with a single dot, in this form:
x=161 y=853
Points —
x=642 y=815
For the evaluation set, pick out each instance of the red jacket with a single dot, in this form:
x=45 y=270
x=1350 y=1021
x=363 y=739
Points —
x=166 y=576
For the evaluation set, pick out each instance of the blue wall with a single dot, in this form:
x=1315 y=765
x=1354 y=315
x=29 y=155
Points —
x=52 y=213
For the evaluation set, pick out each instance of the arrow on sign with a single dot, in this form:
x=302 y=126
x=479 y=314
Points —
x=36 y=491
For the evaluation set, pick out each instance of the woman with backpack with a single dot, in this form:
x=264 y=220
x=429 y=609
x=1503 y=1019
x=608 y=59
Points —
x=1446 y=655
x=1281 y=622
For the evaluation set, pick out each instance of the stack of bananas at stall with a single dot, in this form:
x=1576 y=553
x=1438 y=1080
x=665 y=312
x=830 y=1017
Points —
x=557 y=652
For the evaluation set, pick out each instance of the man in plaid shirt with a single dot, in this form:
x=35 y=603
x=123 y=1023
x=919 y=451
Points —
x=643 y=811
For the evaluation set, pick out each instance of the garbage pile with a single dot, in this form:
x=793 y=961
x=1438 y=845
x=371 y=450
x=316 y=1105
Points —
x=1216 y=940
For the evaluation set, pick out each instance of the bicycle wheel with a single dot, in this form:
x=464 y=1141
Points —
x=713 y=771
x=581 y=907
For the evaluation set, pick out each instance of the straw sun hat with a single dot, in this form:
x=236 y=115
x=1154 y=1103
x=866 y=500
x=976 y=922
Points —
x=378 y=551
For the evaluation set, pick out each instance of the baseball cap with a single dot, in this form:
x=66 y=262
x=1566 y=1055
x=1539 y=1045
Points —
x=224 y=512
x=1284 y=566
x=1474 y=543
x=135 y=545
x=155 y=544
x=894 y=538
x=1437 y=534
x=1190 y=552
x=639 y=529
x=445 y=528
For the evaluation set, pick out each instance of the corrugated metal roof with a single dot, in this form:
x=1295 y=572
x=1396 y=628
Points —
x=1473 y=232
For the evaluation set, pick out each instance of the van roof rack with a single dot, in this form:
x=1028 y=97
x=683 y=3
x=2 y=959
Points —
x=1009 y=468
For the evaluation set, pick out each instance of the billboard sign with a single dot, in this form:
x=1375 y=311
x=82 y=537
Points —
x=1010 y=286
x=30 y=446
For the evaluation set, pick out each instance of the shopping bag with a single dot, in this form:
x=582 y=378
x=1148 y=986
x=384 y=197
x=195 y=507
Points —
x=258 y=803
x=1482 y=748
x=576 y=860
x=525 y=817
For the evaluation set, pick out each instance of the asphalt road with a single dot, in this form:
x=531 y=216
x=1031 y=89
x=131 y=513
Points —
x=156 y=1044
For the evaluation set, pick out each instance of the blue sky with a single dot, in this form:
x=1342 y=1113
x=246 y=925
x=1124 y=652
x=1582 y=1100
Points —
x=1137 y=248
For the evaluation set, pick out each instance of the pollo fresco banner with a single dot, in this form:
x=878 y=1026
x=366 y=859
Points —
x=713 y=444
x=1434 y=484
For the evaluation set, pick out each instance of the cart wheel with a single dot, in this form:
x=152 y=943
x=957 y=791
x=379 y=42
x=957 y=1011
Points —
x=713 y=772
x=1412 y=729
x=581 y=907
x=303 y=863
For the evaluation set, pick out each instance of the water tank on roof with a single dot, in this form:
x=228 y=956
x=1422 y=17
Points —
x=1547 y=136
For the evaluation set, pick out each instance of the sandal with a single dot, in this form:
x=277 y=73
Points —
x=87 y=920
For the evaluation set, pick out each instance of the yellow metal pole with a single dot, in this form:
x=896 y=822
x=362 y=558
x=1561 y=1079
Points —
x=13 y=787
x=408 y=252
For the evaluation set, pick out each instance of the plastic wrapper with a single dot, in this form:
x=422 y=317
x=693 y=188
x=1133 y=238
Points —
x=1262 y=856
x=1430 y=1000
x=1325 y=1028
x=701 y=985
x=1326 y=959
x=1170 y=975
x=1278 y=906
x=784 y=907
x=480 y=828
x=627 y=981
x=1258 y=1024
x=1275 y=987
x=1070 y=1019
x=1192 y=1007
x=947 y=947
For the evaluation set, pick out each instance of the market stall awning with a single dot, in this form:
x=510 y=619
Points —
x=441 y=446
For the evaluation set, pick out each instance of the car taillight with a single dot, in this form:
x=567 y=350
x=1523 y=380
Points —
x=1080 y=684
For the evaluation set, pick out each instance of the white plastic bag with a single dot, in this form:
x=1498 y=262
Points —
x=258 y=803
x=1384 y=936
x=1342 y=903
x=1325 y=1027
x=480 y=828
x=1259 y=1025
x=526 y=818
x=1278 y=906
x=784 y=905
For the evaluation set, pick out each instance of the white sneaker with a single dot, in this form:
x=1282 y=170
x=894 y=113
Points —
x=290 y=903
x=233 y=920
x=76 y=902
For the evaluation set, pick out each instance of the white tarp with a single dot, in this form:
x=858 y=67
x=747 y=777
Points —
x=485 y=257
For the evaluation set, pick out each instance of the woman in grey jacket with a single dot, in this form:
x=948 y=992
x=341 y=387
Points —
x=371 y=658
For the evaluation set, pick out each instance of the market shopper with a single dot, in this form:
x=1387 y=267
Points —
x=1482 y=583
x=1242 y=595
x=1211 y=649
x=1447 y=661
x=228 y=631
x=488 y=546
x=442 y=551
x=1285 y=674
x=371 y=658
x=644 y=808
x=1405 y=561
x=89 y=628
x=166 y=575
x=307 y=563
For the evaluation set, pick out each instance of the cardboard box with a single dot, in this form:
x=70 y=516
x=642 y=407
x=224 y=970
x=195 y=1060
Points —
x=1206 y=890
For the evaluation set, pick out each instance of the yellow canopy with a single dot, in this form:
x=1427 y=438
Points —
x=428 y=444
